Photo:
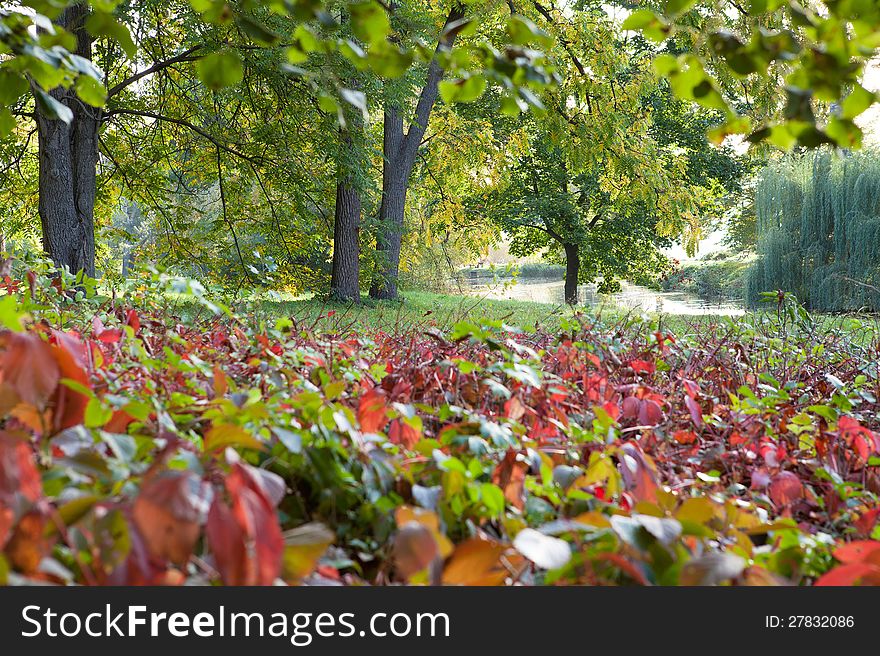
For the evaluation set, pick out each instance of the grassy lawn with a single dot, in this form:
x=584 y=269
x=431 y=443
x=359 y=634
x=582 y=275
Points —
x=415 y=311
x=422 y=310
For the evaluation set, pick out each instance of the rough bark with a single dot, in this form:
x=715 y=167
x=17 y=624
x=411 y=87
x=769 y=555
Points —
x=345 y=277
x=572 y=268
x=400 y=151
x=68 y=162
x=391 y=210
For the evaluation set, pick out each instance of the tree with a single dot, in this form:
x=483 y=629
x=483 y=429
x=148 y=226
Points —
x=604 y=190
x=68 y=159
x=400 y=150
x=223 y=43
x=545 y=208
x=818 y=219
x=814 y=52
x=345 y=276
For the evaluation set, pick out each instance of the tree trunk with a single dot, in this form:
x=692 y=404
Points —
x=572 y=268
x=68 y=162
x=400 y=152
x=345 y=278
x=391 y=211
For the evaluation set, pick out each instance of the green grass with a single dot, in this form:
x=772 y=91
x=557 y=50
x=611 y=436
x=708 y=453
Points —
x=423 y=310
x=414 y=311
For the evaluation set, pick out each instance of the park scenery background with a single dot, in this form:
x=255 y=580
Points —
x=464 y=293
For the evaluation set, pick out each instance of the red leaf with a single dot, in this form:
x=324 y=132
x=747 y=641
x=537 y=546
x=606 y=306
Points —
x=851 y=574
x=691 y=388
x=227 y=541
x=18 y=471
x=684 y=436
x=639 y=472
x=631 y=406
x=168 y=513
x=29 y=368
x=867 y=521
x=863 y=441
x=7 y=519
x=510 y=476
x=28 y=546
x=373 y=411
x=856 y=552
x=695 y=410
x=642 y=366
x=785 y=488
x=650 y=413
x=133 y=320
x=70 y=404
x=246 y=539
x=110 y=336
x=402 y=433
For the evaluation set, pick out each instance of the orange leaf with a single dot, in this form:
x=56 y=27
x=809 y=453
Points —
x=476 y=562
x=372 y=411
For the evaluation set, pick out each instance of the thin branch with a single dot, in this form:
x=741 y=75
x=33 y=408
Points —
x=226 y=216
x=185 y=56
x=184 y=123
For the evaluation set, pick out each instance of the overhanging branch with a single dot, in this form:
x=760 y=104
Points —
x=185 y=56
x=188 y=125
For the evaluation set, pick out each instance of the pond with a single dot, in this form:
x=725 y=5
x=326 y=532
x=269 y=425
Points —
x=630 y=297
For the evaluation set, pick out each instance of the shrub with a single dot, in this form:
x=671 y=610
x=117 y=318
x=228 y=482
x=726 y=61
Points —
x=139 y=446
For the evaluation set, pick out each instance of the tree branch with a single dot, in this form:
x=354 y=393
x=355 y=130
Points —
x=186 y=124
x=185 y=56
x=428 y=97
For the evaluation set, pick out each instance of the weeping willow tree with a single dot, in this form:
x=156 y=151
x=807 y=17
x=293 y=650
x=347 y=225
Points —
x=819 y=231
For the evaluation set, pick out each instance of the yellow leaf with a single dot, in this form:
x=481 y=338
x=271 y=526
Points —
x=223 y=435
x=304 y=546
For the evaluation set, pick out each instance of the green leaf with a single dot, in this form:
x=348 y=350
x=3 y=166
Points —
x=369 y=21
x=90 y=91
x=12 y=86
x=765 y=6
x=844 y=133
x=493 y=499
x=665 y=65
x=649 y=23
x=71 y=512
x=220 y=69
x=223 y=435
x=96 y=414
x=859 y=100
x=52 y=108
x=10 y=317
x=103 y=24
x=464 y=90
x=523 y=32
x=7 y=125
x=327 y=103
x=388 y=61
x=257 y=30
x=675 y=7
x=734 y=125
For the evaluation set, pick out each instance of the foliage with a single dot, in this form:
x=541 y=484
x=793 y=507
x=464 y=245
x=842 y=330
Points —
x=818 y=218
x=138 y=447
x=713 y=279
x=734 y=52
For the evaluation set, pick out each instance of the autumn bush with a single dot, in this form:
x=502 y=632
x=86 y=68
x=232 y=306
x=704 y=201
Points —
x=139 y=447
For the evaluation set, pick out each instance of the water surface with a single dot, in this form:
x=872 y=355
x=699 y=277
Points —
x=630 y=297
